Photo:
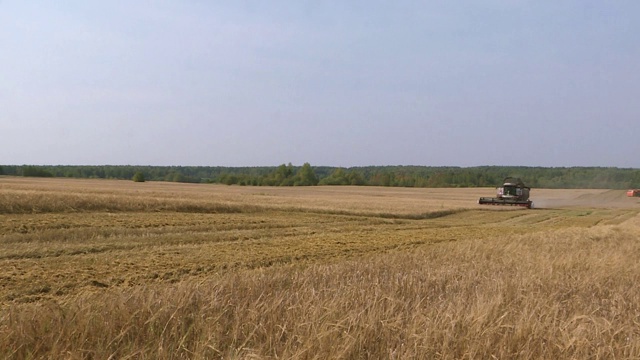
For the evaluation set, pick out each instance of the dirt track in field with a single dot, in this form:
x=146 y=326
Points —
x=592 y=198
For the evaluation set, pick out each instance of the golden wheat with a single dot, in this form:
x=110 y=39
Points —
x=108 y=269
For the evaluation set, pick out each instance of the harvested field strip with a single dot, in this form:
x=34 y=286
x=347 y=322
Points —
x=619 y=217
x=49 y=202
x=56 y=203
x=572 y=217
x=154 y=245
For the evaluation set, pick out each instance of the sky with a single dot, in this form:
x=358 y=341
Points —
x=332 y=83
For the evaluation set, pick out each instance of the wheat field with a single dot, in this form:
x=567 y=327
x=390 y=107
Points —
x=105 y=269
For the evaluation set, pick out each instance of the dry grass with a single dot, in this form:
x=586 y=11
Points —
x=315 y=273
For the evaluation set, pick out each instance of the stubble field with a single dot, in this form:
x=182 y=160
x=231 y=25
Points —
x=116 y=269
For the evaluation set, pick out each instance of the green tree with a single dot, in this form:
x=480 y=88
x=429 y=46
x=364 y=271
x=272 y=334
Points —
x=283 y=175
x=36 y=172
x=306 y=176
x=355 y=178
x=138 y=176
x=337 y=177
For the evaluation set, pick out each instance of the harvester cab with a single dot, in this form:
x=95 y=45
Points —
x=512 y=192
x=633 y=193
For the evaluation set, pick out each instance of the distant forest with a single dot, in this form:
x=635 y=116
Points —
x=305 y=175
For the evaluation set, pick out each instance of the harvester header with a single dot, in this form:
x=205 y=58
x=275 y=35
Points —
x=512 y=192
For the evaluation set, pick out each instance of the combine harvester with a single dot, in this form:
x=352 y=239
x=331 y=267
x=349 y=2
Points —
x=633 y=193
x=512 y=192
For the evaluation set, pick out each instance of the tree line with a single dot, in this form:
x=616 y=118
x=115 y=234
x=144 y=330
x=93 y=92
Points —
x=307 y=175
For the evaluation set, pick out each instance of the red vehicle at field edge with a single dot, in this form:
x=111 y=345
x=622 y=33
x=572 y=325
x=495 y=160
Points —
x=633 y=193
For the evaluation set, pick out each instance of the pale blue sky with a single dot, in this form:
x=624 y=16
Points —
x=335 y=83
